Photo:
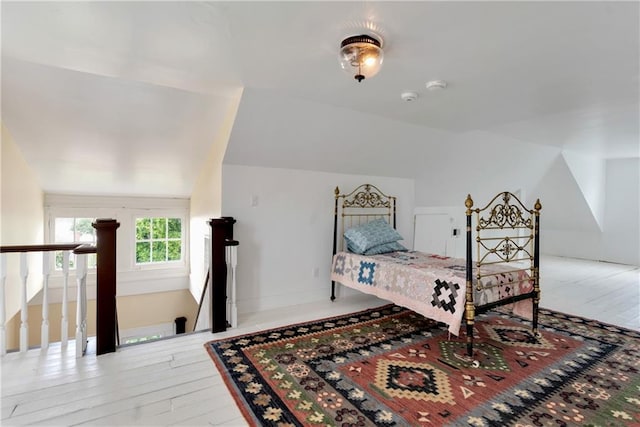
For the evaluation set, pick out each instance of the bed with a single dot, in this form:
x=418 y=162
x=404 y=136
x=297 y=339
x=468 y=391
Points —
x=503 y=269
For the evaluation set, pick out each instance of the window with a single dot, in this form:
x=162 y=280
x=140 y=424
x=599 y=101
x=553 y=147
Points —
x=158 y=239
x=152 y=240
x=74 y=230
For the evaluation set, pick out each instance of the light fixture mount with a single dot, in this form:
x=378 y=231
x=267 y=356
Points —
x=436 y=85
x=361 y=55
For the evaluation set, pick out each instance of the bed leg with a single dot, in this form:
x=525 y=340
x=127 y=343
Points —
x=469 y=315
x=536 y=303
x=333 y=290
x=470 y=339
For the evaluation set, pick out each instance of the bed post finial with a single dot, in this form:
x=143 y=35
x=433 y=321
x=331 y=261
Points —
x=538 y=205
x=468 y=203
x=336 y=191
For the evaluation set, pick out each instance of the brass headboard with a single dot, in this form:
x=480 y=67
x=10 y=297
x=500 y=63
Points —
x=362 y=205
x=506 y=233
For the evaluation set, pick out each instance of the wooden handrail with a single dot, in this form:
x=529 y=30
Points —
x=86 y=249
x=105 y=248
x=77 y=248
x=47 y=248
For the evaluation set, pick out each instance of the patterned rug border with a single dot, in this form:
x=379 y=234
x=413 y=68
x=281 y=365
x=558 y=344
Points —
x=235 y=392
x=253 y=420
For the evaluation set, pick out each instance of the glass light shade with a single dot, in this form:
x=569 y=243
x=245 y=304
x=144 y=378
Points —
x=361 y=56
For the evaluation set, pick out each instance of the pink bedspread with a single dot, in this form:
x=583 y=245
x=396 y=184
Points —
x=431 y=285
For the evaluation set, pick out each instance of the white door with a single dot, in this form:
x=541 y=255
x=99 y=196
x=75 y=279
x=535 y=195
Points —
x=432 y=233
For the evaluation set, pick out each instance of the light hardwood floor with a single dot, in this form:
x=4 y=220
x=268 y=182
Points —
x=174 y=382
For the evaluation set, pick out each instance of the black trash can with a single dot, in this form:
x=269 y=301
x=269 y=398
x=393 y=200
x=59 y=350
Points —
x=181 y=323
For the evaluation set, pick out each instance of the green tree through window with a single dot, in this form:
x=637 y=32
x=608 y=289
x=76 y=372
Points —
x=74 y=230
x=158 y=240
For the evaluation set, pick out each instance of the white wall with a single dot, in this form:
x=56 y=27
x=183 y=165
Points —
x=589 y=173
x=22 y=219
x=205 y=203
x=568 y=223
x=289 y=233
x=481 y=164
x=273 y=130
x=621 y=237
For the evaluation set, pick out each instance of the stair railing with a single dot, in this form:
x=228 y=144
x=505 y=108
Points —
x=105 y=282
x=24 y=251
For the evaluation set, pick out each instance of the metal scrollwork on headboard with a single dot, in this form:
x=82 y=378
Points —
x=506 y=232
x=505 y=214
x=366 y=196
x=365 y=203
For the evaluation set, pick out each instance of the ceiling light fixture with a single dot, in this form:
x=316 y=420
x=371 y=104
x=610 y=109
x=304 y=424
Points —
x=436 y=85
x=361 y=55
x=409 y=96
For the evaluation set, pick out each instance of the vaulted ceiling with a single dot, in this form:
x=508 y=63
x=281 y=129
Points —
x=127 y=97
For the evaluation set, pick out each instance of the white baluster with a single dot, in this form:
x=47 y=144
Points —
x=81 y=277
x=24 y=328
x=64 y=323
x=44 y=340
x=3 y=315
x=84 y=304
x=234 y=262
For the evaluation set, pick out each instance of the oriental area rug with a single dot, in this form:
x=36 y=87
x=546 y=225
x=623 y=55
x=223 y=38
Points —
x=391 y=367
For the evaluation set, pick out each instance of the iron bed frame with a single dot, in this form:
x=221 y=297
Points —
x=506 y=232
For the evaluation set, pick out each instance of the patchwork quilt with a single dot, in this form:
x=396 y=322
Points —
x=431 y=285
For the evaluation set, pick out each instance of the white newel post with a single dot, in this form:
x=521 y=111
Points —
x=81 y=281
x=24 y=328
x=44 y=339
x=64 y=323
x=232 y=262
x=3 y=279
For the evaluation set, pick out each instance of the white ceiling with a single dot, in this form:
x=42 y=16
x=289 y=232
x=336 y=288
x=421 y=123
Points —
x=127 y=97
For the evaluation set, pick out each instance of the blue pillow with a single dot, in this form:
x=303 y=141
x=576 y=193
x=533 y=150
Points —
x=374 y=233
x=385 y=248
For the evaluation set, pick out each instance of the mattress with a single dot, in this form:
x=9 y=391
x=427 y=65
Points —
x=431 y=285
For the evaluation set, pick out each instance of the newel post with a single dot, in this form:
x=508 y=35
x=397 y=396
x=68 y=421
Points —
x=218 y=276
x=106 y=285
x=221 y=235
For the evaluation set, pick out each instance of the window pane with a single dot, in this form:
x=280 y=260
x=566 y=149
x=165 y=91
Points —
x=59 y=260
x=64 y=230
x=159 y=251
x=163 y=238
x=175 y=228
x=159 y=228
x=143 y=252
x=175 y=250
x=143 y=228
x=92 y=261
x=84 y=231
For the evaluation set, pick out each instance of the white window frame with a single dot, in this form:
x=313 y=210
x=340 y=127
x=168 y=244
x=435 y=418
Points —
x=51 y=213
x=160 y=213
x=132 y=278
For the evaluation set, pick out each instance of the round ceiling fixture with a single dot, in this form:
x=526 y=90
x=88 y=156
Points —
x=361 y=56
x=409 y=96
x=436 y=85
